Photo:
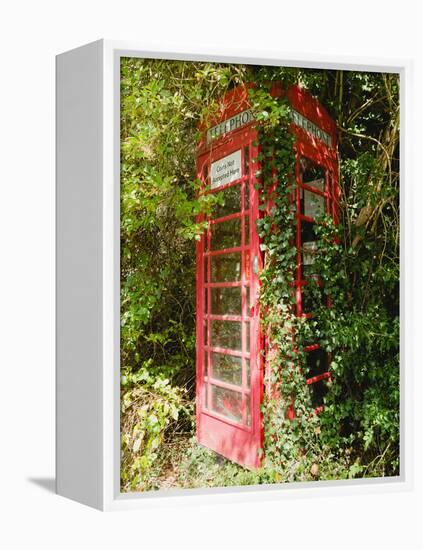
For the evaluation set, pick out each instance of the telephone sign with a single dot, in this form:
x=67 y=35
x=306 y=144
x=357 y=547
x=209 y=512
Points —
x=299 y=120
x=233 y=123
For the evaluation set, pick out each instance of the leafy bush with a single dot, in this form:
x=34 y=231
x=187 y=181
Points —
x=152 y=411
x=159 y=205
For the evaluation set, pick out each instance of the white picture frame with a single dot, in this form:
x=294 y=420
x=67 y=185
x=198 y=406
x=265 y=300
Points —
x=88 y=279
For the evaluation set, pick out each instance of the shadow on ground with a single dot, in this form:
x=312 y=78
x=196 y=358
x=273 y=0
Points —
x=46 y=483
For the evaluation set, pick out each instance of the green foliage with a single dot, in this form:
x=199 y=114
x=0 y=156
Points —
x=358 y=262
x=201 y=467
x=362 y=333
x=292 y=448
x=161 y=105
x=152 y=411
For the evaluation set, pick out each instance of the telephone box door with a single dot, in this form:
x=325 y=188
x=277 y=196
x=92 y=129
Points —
x=229 y=363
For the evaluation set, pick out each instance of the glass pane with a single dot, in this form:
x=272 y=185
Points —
x=226 y=234
x=309 y=252
x=247 y=337
x=206 y=274
x=247 y=265
x=317 y=362
x=227 y=368
x=227 y=403
x=206 y=291
x=226 y=301
x=312 y=205
x=247 y=230
x=312 y=173
x=226 y=334
x=248 y=409
x=308 y=256
x=231 y=198
x=318 y=391
x=205 y=333
x=319 y=184
x=307 y=232
x=247 y=300
x=226 y=267
x=205 y=365
x=247 y=196
x=205 y=405
x=247 y=370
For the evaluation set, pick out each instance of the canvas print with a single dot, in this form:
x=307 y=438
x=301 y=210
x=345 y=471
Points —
x=259 y=274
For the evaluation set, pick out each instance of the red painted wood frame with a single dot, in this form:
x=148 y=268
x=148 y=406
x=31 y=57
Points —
x=229 y=363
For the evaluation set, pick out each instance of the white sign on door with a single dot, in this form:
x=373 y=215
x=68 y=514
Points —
x=226 y=170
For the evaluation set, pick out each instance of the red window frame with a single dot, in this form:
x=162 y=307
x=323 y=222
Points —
x=306 y=146
x=239 y=441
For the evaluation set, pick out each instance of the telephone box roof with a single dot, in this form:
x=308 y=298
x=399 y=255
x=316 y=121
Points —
x=310 y=120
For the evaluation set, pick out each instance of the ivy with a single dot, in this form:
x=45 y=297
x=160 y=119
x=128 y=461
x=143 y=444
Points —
x=359 y=425
x=291 y=429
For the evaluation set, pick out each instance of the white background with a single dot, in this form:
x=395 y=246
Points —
x=31 y=34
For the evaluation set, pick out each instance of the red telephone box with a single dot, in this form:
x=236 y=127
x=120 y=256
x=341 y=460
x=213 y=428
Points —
x=230 y=361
